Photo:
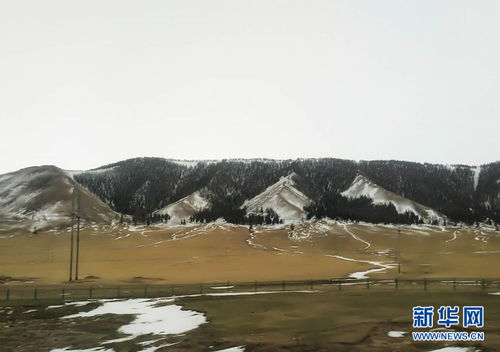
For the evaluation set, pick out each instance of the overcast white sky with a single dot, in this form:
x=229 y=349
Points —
x=86 y=83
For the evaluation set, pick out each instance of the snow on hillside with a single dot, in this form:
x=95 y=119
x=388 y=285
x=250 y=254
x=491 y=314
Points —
x=363 y=187
x=17 y=197
x=72 y=173
x=287 y=201
x=192 y=163
x=187 y=163
x=41 y=197
x=184 y=208
x=477 y=172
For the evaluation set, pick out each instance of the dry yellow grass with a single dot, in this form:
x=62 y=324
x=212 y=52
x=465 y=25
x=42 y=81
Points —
x=217 y=253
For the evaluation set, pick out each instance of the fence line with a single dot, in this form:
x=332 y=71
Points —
x=68 y=293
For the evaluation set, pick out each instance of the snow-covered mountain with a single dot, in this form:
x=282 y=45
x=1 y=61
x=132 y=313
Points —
x=286 y=200
x=42 y=197
x=364 y=187
x=184 y=208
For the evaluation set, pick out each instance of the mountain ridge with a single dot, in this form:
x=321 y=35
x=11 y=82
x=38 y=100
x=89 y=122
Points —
x=451 y=190
x=141 y=186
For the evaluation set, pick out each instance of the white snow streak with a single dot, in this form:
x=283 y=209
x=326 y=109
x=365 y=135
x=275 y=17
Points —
x=455 y=233
x=477 y=172
x=232 y=349
x=368 y=244
x=363 y=274
x=96 y=349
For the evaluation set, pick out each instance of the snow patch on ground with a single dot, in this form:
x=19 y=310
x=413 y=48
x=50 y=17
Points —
x=194 y=230
x=75 y=304
x=96 y=349
x=396 y=333
x=222 y=287
x=155 y=316
x=364 y=274
x=367 y=244
x=455 y=234
x=150 y=317
x=251 y=242
x=232 y=349
x=305 y=231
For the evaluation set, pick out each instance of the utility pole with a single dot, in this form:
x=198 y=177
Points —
x=75 y=213
x=72 y=236
x=77 y=238
x=399 y=250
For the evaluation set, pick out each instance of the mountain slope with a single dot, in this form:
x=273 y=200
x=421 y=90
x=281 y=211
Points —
x=184 y=208
x=287 y=201
x=142 y=185
x=364 y=187
x=41 y=197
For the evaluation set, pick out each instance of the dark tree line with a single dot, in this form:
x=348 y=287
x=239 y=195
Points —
x=335 y=206
x=149 y=219
x=263 y=217
x=238 y=216
x=140 y=186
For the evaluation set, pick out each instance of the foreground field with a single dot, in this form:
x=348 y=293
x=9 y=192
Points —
x=172 y=262
x=323 y=319
x=114 y=255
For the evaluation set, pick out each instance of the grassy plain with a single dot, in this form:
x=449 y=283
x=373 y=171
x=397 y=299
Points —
x=354 y=318
x=113 y=255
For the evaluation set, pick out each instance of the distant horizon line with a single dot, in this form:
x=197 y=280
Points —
x=186 y=161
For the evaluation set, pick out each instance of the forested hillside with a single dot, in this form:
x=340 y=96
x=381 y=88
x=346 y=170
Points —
x=140 y=186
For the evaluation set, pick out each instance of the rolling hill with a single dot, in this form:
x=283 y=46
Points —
x=41 y=197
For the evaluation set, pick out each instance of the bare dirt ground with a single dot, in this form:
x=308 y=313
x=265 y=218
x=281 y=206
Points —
x=354 y=319
x=113 y=255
